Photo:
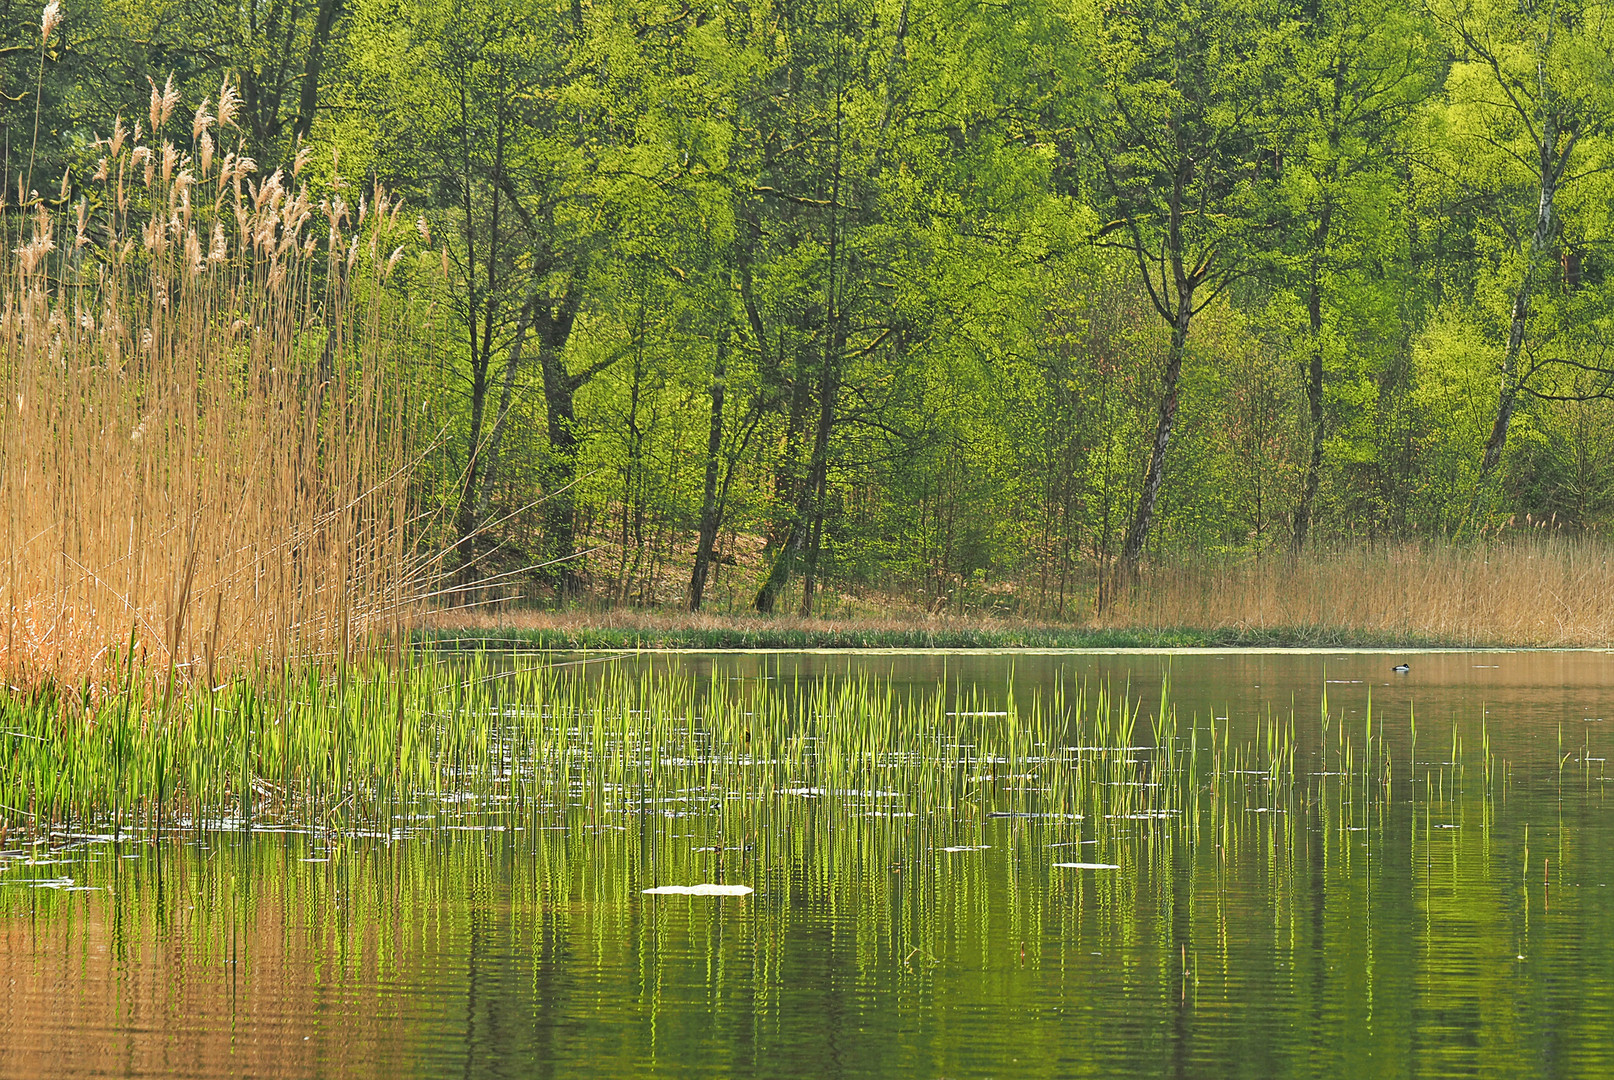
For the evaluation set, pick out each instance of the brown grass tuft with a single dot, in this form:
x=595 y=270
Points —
x=1529 y=589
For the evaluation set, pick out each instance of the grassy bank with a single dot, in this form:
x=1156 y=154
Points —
x=1524 y=589
x=628 y=630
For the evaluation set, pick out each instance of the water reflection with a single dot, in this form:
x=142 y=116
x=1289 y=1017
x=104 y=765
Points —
x=1414 y=913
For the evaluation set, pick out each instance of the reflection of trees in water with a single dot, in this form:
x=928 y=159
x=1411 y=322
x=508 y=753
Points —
x=1327 y=901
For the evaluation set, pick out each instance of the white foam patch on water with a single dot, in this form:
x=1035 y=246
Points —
x=65 y=884
x=700 y=890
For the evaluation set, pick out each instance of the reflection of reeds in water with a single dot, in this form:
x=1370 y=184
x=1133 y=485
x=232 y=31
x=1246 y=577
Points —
x=549 y=800
x=1275 y=866
x=425 y=743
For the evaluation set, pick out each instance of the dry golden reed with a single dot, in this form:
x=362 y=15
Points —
x=202 y=451
x=1526 y=588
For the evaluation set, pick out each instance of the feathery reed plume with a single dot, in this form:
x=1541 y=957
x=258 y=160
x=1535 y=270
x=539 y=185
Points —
x=49 y=20
x=202 y=449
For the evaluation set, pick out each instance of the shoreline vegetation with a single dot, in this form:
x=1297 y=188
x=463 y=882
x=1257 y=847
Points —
x=396 y=351
x=430 y=743
x=583 y=631
x=1541 y=590
x=218 y=462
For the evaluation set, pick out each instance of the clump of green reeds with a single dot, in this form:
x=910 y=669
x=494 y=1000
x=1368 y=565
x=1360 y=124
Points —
x=203 y=454
x=394 y=739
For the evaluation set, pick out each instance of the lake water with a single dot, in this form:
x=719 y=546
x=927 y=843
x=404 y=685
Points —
x=1455 y=918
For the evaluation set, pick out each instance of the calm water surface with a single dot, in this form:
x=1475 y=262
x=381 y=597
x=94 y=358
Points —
x=1451 y=926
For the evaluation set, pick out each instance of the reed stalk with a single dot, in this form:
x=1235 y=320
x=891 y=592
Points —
x=204 y=452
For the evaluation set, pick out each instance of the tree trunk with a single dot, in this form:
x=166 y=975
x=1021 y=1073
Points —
x=464 y=523
x=481 y=354
x=1551 y=163
x=779 y=573
x=789 y=488
x=793 y=551
x=810 y=525
x=633 y=491
x=1314 y=376
x=710 y=518
x=1137 y=535
x=1508 y=396
x=818 y=476
x=478 y=488
x=308 y=96
x=554 y=321
x=1314 y=465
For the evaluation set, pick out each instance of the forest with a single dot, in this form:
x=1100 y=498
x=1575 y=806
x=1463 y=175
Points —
x=983 y=306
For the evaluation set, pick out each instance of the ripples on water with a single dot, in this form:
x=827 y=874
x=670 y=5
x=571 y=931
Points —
x=1335 y=926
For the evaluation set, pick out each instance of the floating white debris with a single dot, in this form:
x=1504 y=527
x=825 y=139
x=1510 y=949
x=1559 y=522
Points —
x=47 y=883
x=1114 y=749
x=700 y=890
x=1086 y=866
x=968 y=847
x=1013 y=814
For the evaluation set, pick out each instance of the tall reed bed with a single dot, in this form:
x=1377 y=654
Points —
x=203 y=447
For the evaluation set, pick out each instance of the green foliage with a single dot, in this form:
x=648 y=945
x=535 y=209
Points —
x=868 y=293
